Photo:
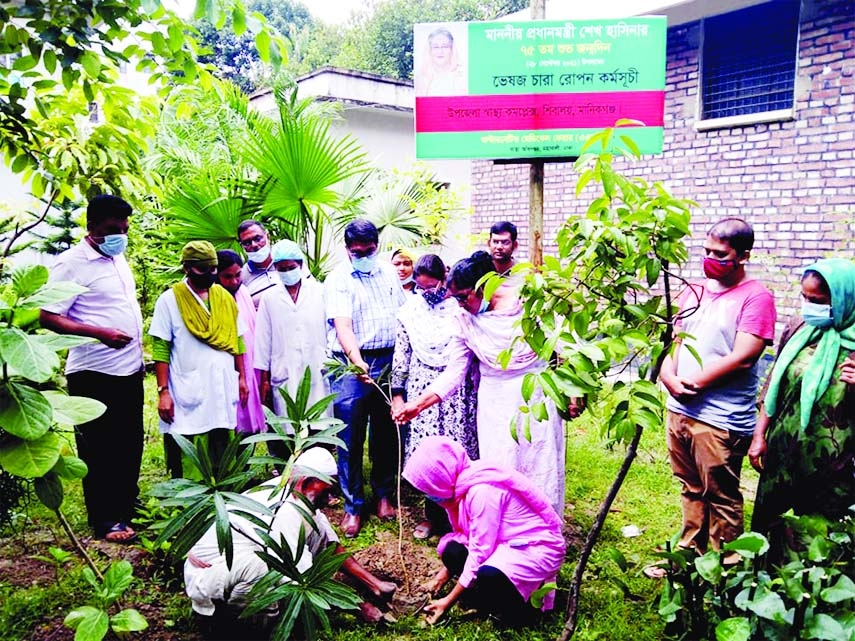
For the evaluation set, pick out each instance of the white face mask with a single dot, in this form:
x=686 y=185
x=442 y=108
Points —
x=291 y=277
x=259 y=255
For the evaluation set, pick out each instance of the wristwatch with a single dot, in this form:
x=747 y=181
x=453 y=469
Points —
x=162 y=388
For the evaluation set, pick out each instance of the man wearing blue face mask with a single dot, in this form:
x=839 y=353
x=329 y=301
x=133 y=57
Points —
x=290 y=332
x=109 y=369
x=362 y=300
x=258 y=274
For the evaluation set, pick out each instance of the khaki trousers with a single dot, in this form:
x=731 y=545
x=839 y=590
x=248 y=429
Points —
x=708 y=461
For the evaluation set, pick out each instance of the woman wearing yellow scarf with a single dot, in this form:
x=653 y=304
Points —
x=804 y=445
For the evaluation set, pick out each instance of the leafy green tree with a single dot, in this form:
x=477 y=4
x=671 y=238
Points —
x=600 y=313
x=234 y=57
x=62 y=226
x=68 y=56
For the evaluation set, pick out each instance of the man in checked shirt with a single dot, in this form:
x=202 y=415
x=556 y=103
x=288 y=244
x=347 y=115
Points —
x=362 y=300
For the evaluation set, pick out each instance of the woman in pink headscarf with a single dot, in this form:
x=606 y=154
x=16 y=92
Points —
x=506 y=538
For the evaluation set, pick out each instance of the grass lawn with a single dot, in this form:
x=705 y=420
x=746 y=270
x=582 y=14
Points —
x=616 y=604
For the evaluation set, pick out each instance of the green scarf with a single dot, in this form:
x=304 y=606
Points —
x=839 y=274
x=217 y=328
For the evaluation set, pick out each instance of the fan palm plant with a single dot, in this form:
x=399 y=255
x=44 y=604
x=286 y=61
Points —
x=300 y=166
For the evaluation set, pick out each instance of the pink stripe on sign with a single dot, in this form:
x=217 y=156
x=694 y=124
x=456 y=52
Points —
x=526 y=112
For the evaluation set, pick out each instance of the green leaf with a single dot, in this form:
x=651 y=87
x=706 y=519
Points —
x=49 y=61
x=71 y=468
x=73 y=410
x=823 y=626
x=60 y=342
x=27 y=356
x=733 y=629
x=91 y=63
x=709 y=567
x=49 y=490
x=536 y=598
x=770 y=606
x=78 y=616
x=30 y=459
x=128 y=620
x=117 y=579
x=528 y=387
x=24 y=411
x=25 y=63
x=819 y=549
x=262 y=45
x=27 y=279
x=238 y=19
x=843 y=590
x=52 y=293
x=749 y=545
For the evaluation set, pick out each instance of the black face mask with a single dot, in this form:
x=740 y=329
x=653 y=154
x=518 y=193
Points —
x=202 y=281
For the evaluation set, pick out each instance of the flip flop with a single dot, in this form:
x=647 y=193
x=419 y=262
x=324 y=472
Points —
x=119 y=533
x=655 y=572
x=422 y=531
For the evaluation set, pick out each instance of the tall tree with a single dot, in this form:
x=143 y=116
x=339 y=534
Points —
x=235 y=58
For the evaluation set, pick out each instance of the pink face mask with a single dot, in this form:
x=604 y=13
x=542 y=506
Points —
x=718 y=269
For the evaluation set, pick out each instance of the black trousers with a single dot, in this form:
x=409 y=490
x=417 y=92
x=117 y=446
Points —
x=111 y=446
x=492 y=593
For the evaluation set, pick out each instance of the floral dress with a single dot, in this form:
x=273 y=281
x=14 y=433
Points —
x=809 y=471
x=422 y=336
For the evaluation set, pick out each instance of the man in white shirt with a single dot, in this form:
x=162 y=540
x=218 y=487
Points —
x=109 y=369
x=209 y=581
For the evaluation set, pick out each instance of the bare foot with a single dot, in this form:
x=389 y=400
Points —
x=370 y=613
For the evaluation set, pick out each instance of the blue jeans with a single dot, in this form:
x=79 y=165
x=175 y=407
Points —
x=357 y=404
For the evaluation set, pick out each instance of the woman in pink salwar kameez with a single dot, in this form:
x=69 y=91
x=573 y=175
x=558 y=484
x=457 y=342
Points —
x=484 y=330
x=505 y=542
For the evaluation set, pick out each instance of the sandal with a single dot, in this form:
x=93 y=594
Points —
x=655 y=572
x=119 y=533
x=422 y=531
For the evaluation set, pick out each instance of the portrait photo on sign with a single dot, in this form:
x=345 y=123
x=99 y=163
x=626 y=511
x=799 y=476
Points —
x=440 y=62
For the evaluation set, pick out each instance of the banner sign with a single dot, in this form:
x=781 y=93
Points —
x=536 y=89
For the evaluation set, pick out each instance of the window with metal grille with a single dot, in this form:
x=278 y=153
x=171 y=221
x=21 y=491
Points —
x=749 y=58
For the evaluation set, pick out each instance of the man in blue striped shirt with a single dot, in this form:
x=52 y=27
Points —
x=362 y=301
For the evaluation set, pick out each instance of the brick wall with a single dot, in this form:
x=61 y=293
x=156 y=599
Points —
x=793 y=181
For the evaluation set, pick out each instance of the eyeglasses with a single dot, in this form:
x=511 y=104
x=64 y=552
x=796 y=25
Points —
x=248 y=242
x=462 y=298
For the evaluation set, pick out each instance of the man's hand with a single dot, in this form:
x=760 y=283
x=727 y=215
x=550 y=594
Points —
x=115 y=338
x=681 y=389
x=165 y=407
x=364 y=377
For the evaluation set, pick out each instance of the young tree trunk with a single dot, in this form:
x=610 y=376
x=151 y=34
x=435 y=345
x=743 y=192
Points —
x=594 y=535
